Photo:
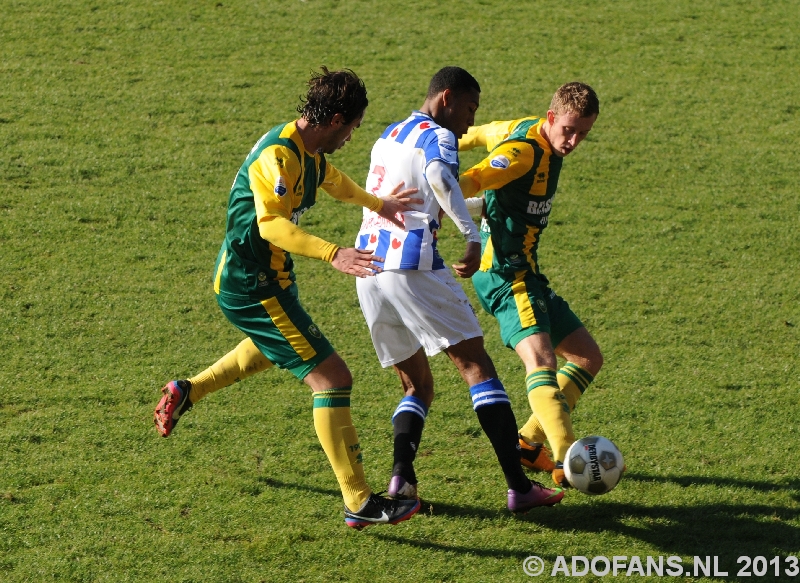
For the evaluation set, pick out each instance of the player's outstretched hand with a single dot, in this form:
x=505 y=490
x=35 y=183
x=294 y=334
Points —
x=471 y=261
x=356 y=262
x=397 y=201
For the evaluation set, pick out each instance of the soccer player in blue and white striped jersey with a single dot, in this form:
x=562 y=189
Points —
x=414 y=307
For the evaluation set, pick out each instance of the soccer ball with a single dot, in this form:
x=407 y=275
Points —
x=594 y=465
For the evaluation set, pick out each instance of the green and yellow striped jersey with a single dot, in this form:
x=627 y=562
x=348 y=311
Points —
x=275 y=185
x=520 y=177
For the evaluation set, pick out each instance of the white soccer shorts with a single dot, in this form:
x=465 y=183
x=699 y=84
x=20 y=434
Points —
x=409 y=309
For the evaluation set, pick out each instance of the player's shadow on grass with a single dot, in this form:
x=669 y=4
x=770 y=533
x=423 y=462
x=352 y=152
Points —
x=273 y=483
x=722 y=530
x=428 y=506
x=686 y=481
x=482 y=551
x=725 y=530
x=715 y=530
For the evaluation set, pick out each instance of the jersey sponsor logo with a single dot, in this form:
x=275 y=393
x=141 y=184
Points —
x=373 y=221
x=540 y=208
x=499 y=162
x=280 y=186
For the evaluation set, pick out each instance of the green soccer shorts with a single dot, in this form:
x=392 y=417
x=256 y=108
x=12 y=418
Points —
x=282 y=330
x=524 y=304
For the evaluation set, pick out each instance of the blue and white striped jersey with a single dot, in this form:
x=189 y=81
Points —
x=402 y=154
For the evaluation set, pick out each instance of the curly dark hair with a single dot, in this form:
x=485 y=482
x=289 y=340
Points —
x=332 y=92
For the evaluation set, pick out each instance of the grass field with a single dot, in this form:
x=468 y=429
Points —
x=674 y=236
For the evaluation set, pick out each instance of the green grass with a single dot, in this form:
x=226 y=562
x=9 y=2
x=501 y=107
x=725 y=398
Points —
x=674 y=237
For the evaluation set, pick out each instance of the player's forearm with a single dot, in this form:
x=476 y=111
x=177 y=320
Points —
x=345 y=189
x=285 y=234
x=448 y=195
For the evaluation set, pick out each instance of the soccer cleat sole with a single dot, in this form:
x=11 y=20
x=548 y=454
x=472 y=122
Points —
x=162 y=416
x=526 y=510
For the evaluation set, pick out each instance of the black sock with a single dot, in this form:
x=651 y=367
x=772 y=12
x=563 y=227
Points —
x=494 y=413
x=408 y=421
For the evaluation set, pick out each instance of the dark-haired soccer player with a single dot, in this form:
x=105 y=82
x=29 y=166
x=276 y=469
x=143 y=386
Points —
x=520 y=178
x=414 y=307
x=254 y=281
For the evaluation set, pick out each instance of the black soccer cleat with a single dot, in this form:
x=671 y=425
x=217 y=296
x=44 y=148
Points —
x=380 y=510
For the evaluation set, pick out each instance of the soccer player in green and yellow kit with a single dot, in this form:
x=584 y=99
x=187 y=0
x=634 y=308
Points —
x=520 y=177
x=255 y=287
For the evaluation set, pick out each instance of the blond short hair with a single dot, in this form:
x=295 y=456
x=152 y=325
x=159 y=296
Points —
x=577 y=98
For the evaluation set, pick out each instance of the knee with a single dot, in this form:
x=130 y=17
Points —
x=586 y=354
x=594 y=362
x=338 y=372
x=343 y=377
x=332 y=373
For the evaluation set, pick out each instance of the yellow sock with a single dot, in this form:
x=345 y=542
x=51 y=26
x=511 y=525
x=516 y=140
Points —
x=549 y=405
x=243 y=361
x=532 y=431
x=339 y=440
x=573 y=381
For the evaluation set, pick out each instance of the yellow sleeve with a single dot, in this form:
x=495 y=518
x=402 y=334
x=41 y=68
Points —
x=341 y=187
x=272 y=179
x=487 y=135
x=507 y=162
x=285 y=234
